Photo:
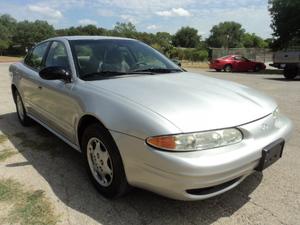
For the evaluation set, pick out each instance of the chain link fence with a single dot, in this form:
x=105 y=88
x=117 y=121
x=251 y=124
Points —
x=256 y=54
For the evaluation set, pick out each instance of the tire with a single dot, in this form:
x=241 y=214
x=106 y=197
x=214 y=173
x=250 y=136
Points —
x=21 y=112
x=228 y=68
x=290 y=72
x=257 y=68
x=103 y=162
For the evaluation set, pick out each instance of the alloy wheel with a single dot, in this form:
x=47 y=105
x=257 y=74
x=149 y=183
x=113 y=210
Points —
x=100 y=162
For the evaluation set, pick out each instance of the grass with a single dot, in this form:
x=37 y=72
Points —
x=3 y=138
x=45 y=143
x=25 y=207
x=9 y=59
x=6 y=153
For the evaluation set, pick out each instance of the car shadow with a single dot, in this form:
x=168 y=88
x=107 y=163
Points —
x=260 y=73
x=283 y=79
x=62 y=167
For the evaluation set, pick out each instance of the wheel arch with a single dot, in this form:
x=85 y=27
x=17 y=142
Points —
x=228 y=64
x=84 y=122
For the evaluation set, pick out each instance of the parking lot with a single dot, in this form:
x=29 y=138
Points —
x=44 y=162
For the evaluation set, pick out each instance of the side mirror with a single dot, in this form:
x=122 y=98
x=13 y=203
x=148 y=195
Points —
x=55 y=73
x=177 y=62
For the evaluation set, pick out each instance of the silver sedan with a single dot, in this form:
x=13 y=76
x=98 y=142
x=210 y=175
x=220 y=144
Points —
x=140 y=120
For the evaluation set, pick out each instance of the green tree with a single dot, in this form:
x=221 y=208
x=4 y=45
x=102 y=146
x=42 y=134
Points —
x=145 y=37
x=9 y=22
x=226 y=35
x=269 y=42
x=164 y=39
x=186 y=37
x=285 y=22
x=253 y=41
x=125 y=30
x=29 y=33
x=7 y=28
x=4 y=38
x=82 y=30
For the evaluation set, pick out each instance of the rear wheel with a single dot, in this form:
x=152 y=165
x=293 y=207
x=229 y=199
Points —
x=290 y=72
x=103 y=162
x=257 y=68
x=228 y=68
x=21 y=112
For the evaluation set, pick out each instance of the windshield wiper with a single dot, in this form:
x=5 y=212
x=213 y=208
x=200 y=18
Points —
x=159 y=70
x=108 y=74
x=102 y=73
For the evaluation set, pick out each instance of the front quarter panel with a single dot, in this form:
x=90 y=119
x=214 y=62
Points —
x=119 y=114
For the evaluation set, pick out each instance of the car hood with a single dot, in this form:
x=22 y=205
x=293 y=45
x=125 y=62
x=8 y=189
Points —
x=192 y=102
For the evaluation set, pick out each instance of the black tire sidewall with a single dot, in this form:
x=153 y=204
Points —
x=257 y=68
x=290 y=72
x=228 y=66
x=26 y=121
x=119 y=184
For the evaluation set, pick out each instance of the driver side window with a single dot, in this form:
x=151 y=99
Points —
x=57 y=55
x=35 y=58
x=238 y=58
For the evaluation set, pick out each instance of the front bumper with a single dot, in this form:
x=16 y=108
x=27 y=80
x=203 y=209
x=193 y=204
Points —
x=175 y=174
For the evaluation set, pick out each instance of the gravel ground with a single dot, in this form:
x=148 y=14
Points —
x=44 y=162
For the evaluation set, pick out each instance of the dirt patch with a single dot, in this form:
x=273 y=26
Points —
x=9 y=59
x=199 y=65
x=19 y=206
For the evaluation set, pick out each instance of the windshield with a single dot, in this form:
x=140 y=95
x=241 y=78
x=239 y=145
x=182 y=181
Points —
x=98 y=59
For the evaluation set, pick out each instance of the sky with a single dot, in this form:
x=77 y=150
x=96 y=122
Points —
x=147 y=15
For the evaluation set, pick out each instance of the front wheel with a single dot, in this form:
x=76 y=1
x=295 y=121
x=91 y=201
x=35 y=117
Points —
x=103 y=162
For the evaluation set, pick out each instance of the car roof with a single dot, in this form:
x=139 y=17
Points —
x=229 y=56
x=69 y=38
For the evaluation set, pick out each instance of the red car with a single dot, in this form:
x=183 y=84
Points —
x=236 y=63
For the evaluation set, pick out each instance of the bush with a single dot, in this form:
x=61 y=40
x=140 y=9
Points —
x=199 y=55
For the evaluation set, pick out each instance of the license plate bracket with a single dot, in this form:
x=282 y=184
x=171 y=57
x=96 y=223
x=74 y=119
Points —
x=270 y=154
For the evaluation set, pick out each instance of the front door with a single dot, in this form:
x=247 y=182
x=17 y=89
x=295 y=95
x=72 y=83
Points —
x=59 y=106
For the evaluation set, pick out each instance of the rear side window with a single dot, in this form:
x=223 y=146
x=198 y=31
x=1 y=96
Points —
x=35 y=57
x=57 y=55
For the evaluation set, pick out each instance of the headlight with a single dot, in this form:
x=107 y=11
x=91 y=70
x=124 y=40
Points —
x=196 y=141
